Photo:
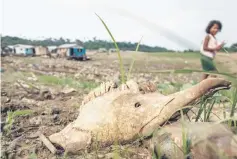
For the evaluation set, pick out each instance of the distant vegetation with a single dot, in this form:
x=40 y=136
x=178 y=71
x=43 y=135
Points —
x=94 y=44
x=91 y=44
x=9 y=40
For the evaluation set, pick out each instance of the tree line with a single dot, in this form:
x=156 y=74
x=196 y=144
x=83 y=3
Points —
x=90 y=44
x=94 y=44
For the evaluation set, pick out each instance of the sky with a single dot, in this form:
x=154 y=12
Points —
x=174 y=24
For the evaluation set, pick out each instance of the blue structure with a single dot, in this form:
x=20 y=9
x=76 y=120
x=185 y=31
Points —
x=73 y=51
x=29 y=51
x=77 y=52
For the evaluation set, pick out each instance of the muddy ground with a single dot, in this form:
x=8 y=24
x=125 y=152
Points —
x=54 y=88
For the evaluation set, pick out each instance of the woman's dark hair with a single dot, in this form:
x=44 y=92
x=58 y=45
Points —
x=211 y=23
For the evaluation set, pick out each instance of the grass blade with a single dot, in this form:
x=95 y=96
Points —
x=224 y=110
x=234 y=102
x=117 y=48
x=22 y=112
x=202 y=107
x=131 y=66
x=11 y=117
x=205 y=112
x=185 y=141
x=210 y=110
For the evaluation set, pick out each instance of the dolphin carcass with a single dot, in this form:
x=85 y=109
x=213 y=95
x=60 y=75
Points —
x=123 y=113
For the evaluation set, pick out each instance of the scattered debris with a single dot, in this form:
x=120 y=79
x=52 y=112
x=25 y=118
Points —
x=48 y=144
x=33 y=135
x=14 y=143
x=36 y=120
x=55 y=110
x=33 y=78
x=45 y=95
x=146 y=87
x=5 y=99
x=68 y=91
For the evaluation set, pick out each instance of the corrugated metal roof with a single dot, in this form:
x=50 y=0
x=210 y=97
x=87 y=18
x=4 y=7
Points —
x=11 y=46
x=70 y=46
x=23 y=46
x=53 y=47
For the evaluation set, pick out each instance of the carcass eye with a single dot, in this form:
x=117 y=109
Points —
x=137 y=105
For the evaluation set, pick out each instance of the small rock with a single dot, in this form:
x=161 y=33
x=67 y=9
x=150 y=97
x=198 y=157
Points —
x=46 y=94
x=77 y=75
x=101 y=156
x=14 y=144
x=55 y=117
x=44 y=113
x=27 y=141
x=3 y=93
x=12 y=156
x=5 y=99
x=29 y=101
x=22 y=84
x=36 y=120
x=55 y=110
x=33 y=135
x=31 y=79
x=68 y=90
x=90 y=76
x=97 y=80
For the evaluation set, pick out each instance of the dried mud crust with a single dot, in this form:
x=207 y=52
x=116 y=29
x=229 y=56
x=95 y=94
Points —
x=50 y=115
x=51 y=111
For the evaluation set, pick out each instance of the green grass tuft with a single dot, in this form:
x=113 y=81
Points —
x=67 y=81
x=33 y=156
x=171 y=87
x=11 y=117
x=185 y=140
